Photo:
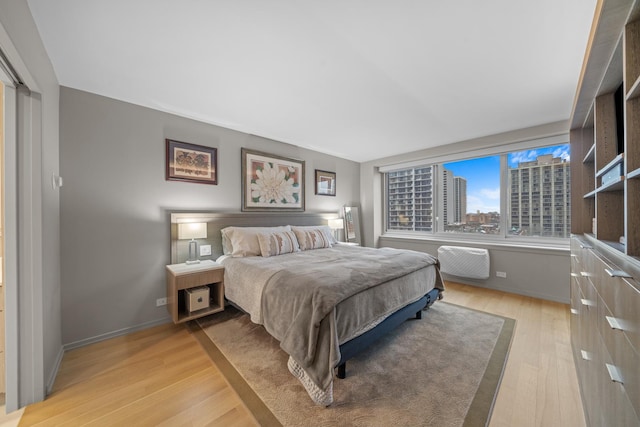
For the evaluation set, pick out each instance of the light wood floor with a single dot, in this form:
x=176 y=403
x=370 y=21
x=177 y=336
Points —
x=161 y=376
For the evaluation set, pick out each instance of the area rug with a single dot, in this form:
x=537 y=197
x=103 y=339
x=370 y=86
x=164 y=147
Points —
x=441 y=370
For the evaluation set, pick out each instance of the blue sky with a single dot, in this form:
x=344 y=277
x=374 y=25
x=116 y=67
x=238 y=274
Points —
x=483 y=175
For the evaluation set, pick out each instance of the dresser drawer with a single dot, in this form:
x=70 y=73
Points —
x=621 y=354
x=615 y=406
x=622 y=298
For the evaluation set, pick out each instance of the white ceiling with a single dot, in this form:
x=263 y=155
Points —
x=359 y=79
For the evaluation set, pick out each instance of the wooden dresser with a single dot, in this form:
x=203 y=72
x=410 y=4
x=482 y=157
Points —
x=605 y=334
x=605 y=218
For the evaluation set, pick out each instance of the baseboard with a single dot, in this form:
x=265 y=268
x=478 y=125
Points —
x=510 y=290
x=54 y=372
x=108 y=335
x=92 y=340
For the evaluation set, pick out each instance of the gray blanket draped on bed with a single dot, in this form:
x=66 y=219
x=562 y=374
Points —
x=304 y=321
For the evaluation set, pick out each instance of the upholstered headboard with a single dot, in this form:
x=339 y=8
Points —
x=218 y=220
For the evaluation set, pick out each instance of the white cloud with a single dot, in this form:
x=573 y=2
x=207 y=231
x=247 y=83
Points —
x=493 y=194
x=523 y=156
x=483 y=203
x=562 y=152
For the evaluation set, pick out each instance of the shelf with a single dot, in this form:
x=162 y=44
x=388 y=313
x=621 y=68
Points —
x=590 y=195
x=634 y=174
x=590 y=157
x=634 y=92
x=185 y=316
x=615 y=245
x=613 y=163
x=612 y=186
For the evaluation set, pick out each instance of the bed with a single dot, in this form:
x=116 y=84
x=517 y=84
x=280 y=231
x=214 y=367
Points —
x=322 y=300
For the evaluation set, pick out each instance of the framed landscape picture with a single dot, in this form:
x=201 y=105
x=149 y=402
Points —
x=191 y=163
x=271 y=182
x=325 y=183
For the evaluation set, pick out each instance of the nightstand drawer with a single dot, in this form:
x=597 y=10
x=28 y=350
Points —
x=200 y=278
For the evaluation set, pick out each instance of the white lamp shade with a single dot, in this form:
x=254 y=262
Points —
x=335 y=223
x=192 y=230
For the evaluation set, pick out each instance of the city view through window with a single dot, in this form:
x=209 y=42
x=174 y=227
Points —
x=468 y=198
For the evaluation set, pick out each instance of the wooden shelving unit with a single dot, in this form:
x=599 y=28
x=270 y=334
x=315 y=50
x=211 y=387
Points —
x=605 y=247
x=605 y=184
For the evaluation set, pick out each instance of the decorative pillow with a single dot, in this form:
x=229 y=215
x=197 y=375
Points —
x=243 y=241
x=324 y=228
x=278 y=243
x=312 y=237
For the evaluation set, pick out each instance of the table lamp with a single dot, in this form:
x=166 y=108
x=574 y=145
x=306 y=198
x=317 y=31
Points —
x=336 y=225
x=193 y=231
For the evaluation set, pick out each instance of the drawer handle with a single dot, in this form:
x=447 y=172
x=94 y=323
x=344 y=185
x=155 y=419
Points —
x=614 y=373
x=584 y=274
x=587 y=302
x=574 y=311
x=574 y=275
x=614 y=323
x=617 y=273
x=585 y=355
x=585 y=246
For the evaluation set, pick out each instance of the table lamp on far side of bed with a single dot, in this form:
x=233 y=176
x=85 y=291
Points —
x=336 y=225
x=193 y=231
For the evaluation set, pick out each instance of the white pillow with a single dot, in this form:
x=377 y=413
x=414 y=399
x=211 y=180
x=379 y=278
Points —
x=313 y=237
x=278 y=243
x=243 y=241
x=324 y=228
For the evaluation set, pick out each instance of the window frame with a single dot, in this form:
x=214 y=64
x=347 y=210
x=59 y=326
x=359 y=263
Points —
x=436 y=162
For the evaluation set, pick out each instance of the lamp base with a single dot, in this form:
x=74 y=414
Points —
x=193 y=250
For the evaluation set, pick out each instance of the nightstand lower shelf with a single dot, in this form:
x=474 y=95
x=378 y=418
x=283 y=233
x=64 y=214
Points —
x=216 y=304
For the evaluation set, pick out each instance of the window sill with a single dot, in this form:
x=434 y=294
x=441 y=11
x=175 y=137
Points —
x=559 y=245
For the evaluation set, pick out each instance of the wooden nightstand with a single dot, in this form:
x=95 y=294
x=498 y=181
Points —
x=181 y=277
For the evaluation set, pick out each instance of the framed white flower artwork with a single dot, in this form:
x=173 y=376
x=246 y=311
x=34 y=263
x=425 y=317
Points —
x=271 y=182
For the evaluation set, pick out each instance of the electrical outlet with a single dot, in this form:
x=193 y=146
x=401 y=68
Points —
x=160 y=302
x=205 y=250
x=502 y=274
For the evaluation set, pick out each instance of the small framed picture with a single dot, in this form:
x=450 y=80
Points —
x=325 y=183
x=191 y=163
x=271 y=183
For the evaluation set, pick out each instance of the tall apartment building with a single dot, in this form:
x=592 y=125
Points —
x=447 y=197
x=454 y=198
x=460 y=200
x=539 y=198
x=410 y=199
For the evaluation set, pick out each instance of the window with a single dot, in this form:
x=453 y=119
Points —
x=539 y=195
x=524 y=193
x=410 y=199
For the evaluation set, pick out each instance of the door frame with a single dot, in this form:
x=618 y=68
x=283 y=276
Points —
x=22 y=170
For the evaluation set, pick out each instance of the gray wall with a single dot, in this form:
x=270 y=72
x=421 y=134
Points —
x=534 y=272
x=36 y=69
x=524 y=275
x=115 y=203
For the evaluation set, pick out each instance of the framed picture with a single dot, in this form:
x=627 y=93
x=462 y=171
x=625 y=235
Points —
x=271 y=182
x=325 y=183
x=191 y=163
